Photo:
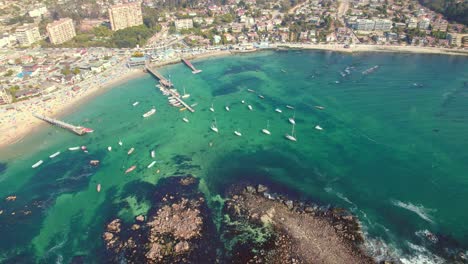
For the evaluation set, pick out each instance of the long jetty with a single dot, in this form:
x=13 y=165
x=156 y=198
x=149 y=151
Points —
x=162 y=79
x=75 y=129
x=189 y=64
x=166 y=85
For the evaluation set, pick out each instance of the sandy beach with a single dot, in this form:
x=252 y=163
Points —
x=16 y=123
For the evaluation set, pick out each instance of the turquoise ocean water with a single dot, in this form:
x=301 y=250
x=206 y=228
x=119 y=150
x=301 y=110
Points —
x=393 y=150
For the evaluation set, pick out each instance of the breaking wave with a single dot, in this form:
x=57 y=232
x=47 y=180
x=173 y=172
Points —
x=420 y=210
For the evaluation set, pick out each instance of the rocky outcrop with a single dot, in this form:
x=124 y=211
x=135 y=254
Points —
x=177 y=229
x=264 y=227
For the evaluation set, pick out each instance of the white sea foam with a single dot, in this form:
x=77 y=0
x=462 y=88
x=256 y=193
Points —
x=421 y=255
x=339 y=195
x=417 y=209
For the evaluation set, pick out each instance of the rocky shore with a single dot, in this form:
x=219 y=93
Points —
x=263 y=227
x=257 y=227
x=176 y=230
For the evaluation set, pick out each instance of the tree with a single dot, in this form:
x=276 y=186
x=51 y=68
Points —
x=9 y=73
x=76 y=71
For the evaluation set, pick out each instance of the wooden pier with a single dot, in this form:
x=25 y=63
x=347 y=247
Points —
x=189 y=64
x=162 y=80
x=166 y=85
x=75 y=129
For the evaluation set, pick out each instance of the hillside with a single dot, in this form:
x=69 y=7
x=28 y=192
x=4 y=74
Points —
x=452 y=10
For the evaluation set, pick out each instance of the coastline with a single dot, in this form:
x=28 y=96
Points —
x=17 y=123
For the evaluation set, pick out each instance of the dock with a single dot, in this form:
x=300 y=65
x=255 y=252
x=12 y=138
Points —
x=80 y=131
x=162 y=80
x=166 y=85
x=189 y=64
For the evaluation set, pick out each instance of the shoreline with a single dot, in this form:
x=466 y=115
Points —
x=65 y=102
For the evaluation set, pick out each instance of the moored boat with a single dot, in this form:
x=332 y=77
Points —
x=212 y=108
x=319 y=107
x=135 y=103
x=265 y=130
x=318 y=127
x=243 y=101
x=227 y=108
x=261 y=96
x=151 y=164
x=237 y=133
x=37 y=164
x=291 y=137
x=185 y=119
x=290 y=107
x=74 y=148
x=54 y=155
x=132 y=168
x=130 y=151
x=250 y=90
x=214 y=127
x=120 y=142
x=98 y=187
x=278 y=110
x=153 y=154
x=109 y=148
x=150 y=112
x=250 y=107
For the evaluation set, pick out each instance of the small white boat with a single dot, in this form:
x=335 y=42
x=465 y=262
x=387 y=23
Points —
x=151 y=164
x=212 y=108
x=37 y=164
x=318 y=127
x=214 y=127
x=243 y=101
x=98 y=188
x=290 y=107
x=261 y=96
x=130 y=151
x=153 y=154
x=54 y=155
x=319 y=107
x=227 y=108
x=74 y=148
x=120 y=142
x=109 y=148
x=265 y=130
x=150 y=112
x=135 y=103
x=292 y=119
x=250 y=90
x=250 y=107
x=185 y=120
x=291 y=137
x=185 y=95
x=237 y=133
x=278 y=110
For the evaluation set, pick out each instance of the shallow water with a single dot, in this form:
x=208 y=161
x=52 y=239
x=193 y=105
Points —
x=392 y=152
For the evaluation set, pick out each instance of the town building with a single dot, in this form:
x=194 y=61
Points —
x=424 y=23
x=383 y=24
x=440 y=25
x=412 y=23
x=5 y=97
x=184 y=24
x=27 y=35
x=37 y=12
x=125 y=15
x=459 y=40
x=61 y=31
x=364 y=24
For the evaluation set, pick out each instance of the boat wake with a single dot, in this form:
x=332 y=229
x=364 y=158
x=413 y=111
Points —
x=420 y=210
